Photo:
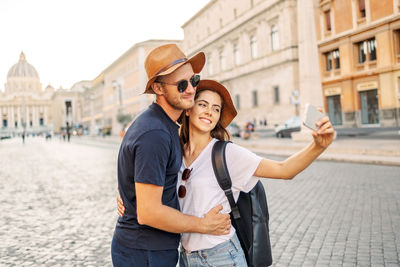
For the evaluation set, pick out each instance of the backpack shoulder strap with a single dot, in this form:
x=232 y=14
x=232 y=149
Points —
x=221 y=172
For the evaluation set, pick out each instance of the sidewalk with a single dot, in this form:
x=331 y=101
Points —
x=359 y=150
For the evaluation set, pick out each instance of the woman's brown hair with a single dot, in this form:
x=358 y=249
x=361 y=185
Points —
x=218 y=132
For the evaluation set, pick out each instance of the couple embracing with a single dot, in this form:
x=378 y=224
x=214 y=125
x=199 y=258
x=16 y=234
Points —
x=169 y=194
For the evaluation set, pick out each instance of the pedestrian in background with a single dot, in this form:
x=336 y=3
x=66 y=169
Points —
x=68 y=132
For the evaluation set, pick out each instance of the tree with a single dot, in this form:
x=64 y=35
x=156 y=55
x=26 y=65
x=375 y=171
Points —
x=123 y=119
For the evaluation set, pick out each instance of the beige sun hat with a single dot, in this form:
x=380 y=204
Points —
x=165 y=59
x=229 y=111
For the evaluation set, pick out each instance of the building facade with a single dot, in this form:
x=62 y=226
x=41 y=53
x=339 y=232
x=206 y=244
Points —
x=68 y=106
x=359 y=51
x=252 y=48
x=26 y=107
x=117 y=92
x=92 y=111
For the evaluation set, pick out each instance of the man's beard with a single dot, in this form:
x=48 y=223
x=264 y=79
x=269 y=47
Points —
x=178 y=103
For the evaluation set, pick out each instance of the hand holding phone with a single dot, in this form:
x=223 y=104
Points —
x=312 y=116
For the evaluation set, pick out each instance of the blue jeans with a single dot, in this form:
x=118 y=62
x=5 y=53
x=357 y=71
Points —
x=128 y=257
x=229 y=253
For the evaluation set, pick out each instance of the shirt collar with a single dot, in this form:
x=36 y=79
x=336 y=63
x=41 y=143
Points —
x=156 y=107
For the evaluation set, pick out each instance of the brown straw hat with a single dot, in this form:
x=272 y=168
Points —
x=165 y=59
x=229 y=111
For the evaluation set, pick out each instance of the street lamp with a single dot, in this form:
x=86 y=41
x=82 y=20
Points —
x=122 y=118
x=295 y=99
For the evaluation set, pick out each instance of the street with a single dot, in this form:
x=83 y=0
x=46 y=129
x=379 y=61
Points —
x=58 y=208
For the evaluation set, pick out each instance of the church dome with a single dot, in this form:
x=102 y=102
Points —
x=22 y=69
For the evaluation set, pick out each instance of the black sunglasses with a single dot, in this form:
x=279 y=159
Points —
x=183 y=84
x=185 y=177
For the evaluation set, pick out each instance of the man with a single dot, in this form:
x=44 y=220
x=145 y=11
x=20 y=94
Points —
x=149 y=159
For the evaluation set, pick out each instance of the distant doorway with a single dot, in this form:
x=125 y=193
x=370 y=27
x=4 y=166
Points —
x=369 y=107
x=335 y=109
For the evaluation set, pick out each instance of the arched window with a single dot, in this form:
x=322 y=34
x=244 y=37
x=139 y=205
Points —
x=274 y=37
x=253 y=46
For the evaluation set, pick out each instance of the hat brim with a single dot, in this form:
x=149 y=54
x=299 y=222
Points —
x=229 y=111
x=197 y=62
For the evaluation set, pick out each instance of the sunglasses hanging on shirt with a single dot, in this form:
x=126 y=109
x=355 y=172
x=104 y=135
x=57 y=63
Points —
x=185 y=177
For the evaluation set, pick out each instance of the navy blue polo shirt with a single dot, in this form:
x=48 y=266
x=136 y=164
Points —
x=150 y=153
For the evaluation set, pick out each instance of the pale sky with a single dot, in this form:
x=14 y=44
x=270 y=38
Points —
x=72 y=40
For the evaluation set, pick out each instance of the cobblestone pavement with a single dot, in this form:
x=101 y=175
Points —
x=57 y=207
x=336 y=214
x=57 y=203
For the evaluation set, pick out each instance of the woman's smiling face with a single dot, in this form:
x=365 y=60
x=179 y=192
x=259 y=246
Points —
x=206 y=112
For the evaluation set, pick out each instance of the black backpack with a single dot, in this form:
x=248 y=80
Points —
x=249 y=214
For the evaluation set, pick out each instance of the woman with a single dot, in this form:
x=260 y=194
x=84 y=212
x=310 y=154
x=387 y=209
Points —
x=198 y=189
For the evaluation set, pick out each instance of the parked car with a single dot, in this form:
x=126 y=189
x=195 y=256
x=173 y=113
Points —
x=233 y=129
x=291 y=125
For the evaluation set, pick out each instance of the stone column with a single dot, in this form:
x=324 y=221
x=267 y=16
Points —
x=309 y=71
x=27 y=117
x=9 y=125
x=37 y=114
x=12 y=121
x=45 y=114
x=34 y=116
x=20 y=117
x=38 y=110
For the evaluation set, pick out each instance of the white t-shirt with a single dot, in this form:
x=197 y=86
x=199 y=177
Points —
x=203 y=191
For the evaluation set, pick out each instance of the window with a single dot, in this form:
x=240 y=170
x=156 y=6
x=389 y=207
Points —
x=367 y=49
x=361 y=8
x=255 y=98
x=222 y=59
x=5 y=123
x=68 y=107
x=16 y=124
x=372 y=49
x=398 y=87
x=396 y=34
x=362 y=52
x=237 y=100
x=210 y=65
x=332 y=59
x=30 y=123
x=236 y=54
x=41 y=122
x=328 y=20
x=274 y=38
x=253 y=46
x=328 y=60
x=276 y=95
x=336 y=58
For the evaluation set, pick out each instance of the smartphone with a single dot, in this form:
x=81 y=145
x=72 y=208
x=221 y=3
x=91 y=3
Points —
x=312 y=116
